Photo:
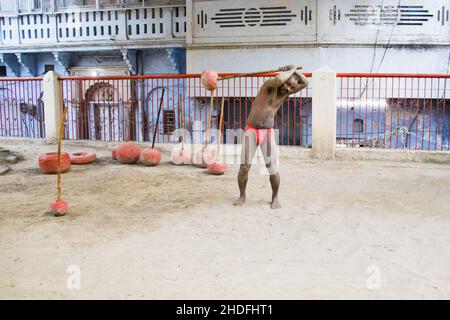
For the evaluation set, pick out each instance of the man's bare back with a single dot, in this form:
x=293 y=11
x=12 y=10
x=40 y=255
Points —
x=259 y=126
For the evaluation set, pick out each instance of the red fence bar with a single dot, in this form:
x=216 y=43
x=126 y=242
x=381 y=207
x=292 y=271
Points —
x=120 y=108
x=21 y=108
x=393 y=111
x=392 y=75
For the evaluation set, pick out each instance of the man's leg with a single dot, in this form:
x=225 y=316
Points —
x=248 y=152
x=269 y=150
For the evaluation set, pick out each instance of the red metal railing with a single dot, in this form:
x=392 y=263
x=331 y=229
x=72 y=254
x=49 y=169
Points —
x=21 y=107
x=118 y=108
x=373 y=110
x=404 y=111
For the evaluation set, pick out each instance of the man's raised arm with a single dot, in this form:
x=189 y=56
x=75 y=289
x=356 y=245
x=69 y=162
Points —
x=282 y=77
x=302 y=82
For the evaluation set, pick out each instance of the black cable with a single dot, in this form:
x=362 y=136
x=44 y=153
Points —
x=389 y=41
x=375 y=48
x=376 y=38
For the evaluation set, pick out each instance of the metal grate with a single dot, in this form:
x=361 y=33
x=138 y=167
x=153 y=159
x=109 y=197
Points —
x=168 y=121
x=443 y=15
x=405 y=15
x=263 y=16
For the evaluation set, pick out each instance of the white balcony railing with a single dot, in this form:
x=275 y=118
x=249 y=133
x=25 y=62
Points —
x=81 y=24
x=51 y=6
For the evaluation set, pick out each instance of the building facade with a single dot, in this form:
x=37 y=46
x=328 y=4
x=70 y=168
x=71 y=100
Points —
x=89 y=35
x=138 y=37
x=177 y=36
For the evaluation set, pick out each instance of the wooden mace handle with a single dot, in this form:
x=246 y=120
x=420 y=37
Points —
x=254 y=73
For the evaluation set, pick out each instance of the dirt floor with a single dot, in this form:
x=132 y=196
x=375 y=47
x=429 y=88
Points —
x=364 y=230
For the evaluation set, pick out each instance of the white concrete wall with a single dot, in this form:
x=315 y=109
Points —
x=319 y=21
x=341 y=59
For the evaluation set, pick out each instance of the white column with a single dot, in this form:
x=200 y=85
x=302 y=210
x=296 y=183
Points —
x=123 y=25
x=52 y=106
x=188 y=22
x=53 y=28
x=16 y=33
x=324 y=113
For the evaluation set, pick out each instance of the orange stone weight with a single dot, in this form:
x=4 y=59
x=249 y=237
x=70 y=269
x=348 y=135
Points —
x=217 y=168
x=82 y=157
x=58 y=207
x=151 y=157
x=48 y=162
x=204 y=157
x=128 y=152
x=180 y=157
x=209 y=79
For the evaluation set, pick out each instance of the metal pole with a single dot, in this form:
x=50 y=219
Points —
x=157 y=118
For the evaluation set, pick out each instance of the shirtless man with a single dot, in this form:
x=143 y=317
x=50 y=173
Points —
x=259 y=128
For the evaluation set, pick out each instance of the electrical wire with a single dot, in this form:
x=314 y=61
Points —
x=375 y=48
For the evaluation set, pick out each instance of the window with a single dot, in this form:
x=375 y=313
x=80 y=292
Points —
x=3 y=72
x=358 y=126
x=36 y=4
x=49 y=67
x=168 y=121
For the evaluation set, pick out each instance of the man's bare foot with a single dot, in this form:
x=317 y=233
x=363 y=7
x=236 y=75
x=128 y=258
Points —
x=275 y=204
x=239 y=202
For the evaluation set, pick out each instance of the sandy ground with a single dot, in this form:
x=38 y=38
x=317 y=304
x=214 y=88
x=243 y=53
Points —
x=364 y=230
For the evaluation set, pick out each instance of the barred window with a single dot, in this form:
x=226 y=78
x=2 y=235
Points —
x=3 y=71
x=168 y=121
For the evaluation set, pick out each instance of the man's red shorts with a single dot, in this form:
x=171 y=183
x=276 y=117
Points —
x=260 y=134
